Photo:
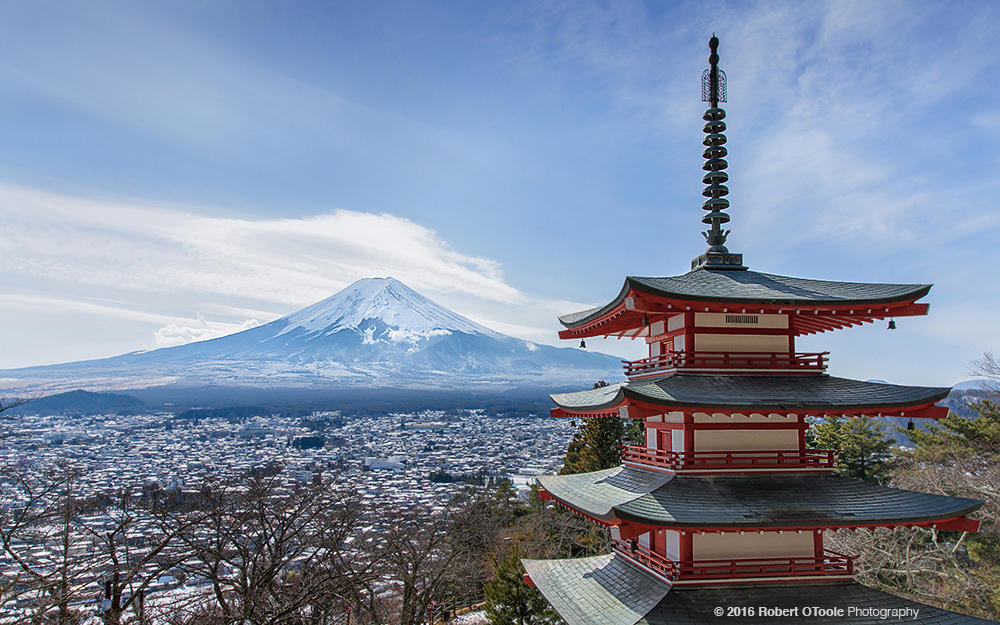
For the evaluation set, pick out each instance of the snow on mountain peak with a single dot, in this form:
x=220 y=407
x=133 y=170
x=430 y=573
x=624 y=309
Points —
x=399 y=313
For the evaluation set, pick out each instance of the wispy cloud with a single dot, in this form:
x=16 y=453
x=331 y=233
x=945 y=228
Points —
x=174 y=260
x=174 y=334
x=172 y=330
x=280 y=261
x=851 y=138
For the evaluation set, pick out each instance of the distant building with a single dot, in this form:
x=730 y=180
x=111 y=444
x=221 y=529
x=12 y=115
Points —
x=255 y=429
x=434 y=426
x=378 y=464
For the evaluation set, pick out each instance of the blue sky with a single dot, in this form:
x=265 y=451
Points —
x=173 y=171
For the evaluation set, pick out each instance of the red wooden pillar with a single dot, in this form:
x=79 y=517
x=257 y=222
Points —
x=689 y=333
x=686 y=543
x=688 y=432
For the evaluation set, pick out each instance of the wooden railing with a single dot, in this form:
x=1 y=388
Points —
x=665 y=568
x=445 y=611
x=783 y=361
x=830 y=563
x=729 y=460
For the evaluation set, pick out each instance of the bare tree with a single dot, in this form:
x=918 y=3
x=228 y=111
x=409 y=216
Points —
x=10 y=403
x=9 y=416
x=924 y=564
x=38 y=534
x=436 y=554
x=136 y=542
x=549 y=531
x=988 y=367
x=274 y=553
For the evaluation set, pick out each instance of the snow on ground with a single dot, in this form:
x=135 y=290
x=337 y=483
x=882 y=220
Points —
x=470 y=618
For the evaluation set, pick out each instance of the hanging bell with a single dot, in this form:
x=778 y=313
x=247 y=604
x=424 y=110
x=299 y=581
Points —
x=892 y=324
x=645 y=320
x=910 y=426
x=583 y=344
x=572 y=423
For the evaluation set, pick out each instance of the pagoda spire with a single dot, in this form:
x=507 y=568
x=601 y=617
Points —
x=713 y=91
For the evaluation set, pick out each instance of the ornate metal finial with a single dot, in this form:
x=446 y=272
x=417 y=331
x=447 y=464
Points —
x=713 y=80
x=713 y=91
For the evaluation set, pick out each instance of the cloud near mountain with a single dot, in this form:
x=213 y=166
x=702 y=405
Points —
x=375 y=333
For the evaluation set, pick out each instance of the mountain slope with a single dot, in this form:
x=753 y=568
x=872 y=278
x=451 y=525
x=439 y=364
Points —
x=376 y=332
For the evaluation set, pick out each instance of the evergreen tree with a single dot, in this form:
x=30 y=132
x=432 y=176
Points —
x=571 y=463
x=634 y=432
x=504 y=504
x=595 y=445
x=509 y=601
x=865 y=448
x=959 y=437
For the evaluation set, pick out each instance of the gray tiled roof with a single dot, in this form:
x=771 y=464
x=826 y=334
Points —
x=766 y=287
x=747 y=501
x=751 y=287
x=607 y=590
x=695 y=606
x=603 y=590
x=754 y=392
x=598 y=492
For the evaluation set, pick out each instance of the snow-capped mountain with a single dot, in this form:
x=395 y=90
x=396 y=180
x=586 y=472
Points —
x=402 y=313
x=375 y=333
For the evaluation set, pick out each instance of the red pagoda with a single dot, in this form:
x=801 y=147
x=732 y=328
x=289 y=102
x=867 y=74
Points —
x=719 y=517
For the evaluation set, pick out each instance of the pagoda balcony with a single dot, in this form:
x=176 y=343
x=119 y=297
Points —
x=719 y=461
x=830 y=563
x=730 y=362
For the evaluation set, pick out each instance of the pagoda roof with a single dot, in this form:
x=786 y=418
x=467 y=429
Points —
x=602 y=590
x=753 y=393
x=783 y=500
x=707 y=290
x=692 y=605
x=608 y=590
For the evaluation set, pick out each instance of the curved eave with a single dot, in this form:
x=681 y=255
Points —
x=594 y=495
x=638 y=299
x=789 y=501
x=750 y=393
x=952 y=520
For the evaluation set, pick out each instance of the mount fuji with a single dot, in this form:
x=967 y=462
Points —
x=376 y=333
